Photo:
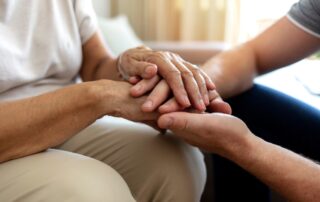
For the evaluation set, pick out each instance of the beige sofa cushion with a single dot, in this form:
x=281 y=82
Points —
x=118 y=34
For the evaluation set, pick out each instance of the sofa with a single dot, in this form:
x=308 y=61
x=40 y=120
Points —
x=120 y=36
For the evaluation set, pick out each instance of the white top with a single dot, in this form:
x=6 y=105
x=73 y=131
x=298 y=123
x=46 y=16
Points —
x=41 y=44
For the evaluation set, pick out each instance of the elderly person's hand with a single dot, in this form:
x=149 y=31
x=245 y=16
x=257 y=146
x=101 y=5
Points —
x=117 y=94
x=166 y=72
x=161 y=92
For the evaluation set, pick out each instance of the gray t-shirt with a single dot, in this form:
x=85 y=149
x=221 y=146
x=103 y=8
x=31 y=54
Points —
x=41 y=44
x=306 y=15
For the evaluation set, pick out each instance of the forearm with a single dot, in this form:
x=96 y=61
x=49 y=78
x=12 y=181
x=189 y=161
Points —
x=35 y=124
x=295 y=177
x=103 y=68
x=107 y=69
x=98 y=61
x=232 y=71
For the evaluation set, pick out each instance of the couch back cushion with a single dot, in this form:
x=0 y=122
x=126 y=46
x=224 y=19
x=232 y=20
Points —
x=118 y=34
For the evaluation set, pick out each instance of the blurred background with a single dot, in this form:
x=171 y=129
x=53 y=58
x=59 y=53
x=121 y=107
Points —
x=199 y=29
x=231 y=21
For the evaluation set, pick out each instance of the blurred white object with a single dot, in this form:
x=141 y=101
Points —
x=102 y=7
x=309 y=76
x=285 y=80
x=118 y=34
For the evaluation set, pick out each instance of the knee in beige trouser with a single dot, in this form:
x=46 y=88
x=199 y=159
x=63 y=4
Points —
x=157 y=168
x=61 y=176
x=173 y=172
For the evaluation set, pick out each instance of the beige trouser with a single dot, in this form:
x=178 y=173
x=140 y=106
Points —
x=112 y=160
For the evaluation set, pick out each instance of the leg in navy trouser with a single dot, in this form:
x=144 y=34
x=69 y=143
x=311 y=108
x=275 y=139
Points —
x=276 y=118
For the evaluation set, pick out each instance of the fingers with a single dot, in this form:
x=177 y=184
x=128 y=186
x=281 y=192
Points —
x=217 y=104
x=203 y=88
x=155 y=126
x=192 y=87
x=184 y=77
x=143 y=69
x=144 y=86
x=209 y=82
x=213 y=94
x=220 y=106
x=200 y=82
x=134 y=80
x=157 y=97
x=170 y=106
x=174 y=79
x=188 y=82
x=130 y=66
x=182 y=121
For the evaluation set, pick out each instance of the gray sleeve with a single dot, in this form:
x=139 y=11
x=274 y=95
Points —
x=306 y=15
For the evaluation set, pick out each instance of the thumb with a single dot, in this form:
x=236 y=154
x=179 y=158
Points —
x=143 y=69
x=181 y=121
x=220 y=106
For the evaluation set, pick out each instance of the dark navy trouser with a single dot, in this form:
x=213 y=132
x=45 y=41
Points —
x=276 y=118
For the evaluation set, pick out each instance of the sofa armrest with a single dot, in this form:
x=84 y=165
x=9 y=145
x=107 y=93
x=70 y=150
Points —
x=194 y=52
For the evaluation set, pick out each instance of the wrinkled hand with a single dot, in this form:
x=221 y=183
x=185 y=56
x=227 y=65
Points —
x=158 y=98
x=188 y=82
x=125 y=106
x=218 y=133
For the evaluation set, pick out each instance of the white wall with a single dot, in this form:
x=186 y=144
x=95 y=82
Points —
x=102 y=7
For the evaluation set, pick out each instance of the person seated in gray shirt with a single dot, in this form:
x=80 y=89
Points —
x=290 y=39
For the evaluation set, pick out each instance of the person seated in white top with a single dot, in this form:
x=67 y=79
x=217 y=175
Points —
x=56 y=142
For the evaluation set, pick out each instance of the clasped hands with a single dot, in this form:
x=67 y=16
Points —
x=163 y=83
x=166 y=92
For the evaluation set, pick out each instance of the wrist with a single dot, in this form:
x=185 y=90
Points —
x=107 y=69
x=98 y=95
x=243 y=148
x=120 y=71
x=107 y=98
x=114 y=64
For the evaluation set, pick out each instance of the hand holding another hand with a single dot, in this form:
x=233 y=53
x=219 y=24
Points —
x=218 y=133
x=158 y=99
x=166 y=72
x=116 y=101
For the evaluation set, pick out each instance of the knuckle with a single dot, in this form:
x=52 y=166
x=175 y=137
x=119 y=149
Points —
x=213 y=95
x=186 y=74
x=194 y=68
x=178 y=57
x=202 y=83
x=160 y=54
x=174 y=72
x=167 y=55
x=173 y=55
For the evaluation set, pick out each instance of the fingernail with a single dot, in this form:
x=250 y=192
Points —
x=148 y=104
x=163 y=109
x=133 y=79
x=201 y=105
x=167 y=122
x=207 y=101
x=137 y=87
x=149 y=70
x=186 y=101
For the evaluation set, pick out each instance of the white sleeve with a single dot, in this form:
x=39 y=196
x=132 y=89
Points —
x=86 y=18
